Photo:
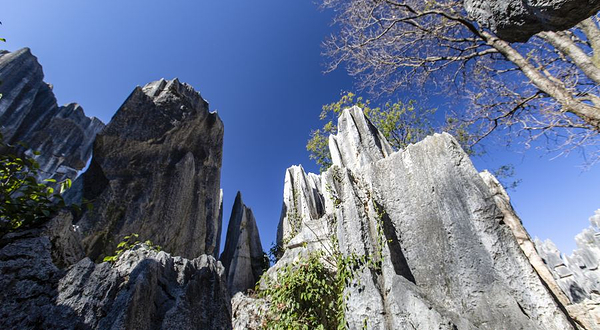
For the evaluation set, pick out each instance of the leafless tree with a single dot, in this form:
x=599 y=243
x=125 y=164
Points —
x=547 y=87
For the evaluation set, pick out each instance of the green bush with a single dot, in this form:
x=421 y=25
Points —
x=25 y=202
x=306 y=295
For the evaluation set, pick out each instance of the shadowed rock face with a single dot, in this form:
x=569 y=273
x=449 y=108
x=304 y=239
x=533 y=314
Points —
x=518 y=20
x=144 y=289
x=156 y=172
x=447 y=258
x=243 y=256
x=29 y=113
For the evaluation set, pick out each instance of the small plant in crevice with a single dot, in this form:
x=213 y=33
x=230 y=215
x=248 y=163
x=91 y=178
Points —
x=128 y=243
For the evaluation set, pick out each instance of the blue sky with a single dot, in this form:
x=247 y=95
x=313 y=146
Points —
x=257 y=63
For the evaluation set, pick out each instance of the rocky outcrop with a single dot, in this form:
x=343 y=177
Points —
x=442 y=254
x=518 y=20
x=302 y=202
x=357 y=142
x=247 y=312
x=156 y=172
x=243 y=256
x=144 y=289
x=578 y=274
x=29 y=113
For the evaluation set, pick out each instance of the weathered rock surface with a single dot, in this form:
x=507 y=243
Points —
x=525 y=242
x=578 y=274
x=357 y=142
x=144 y=289
x=447 y=258
x=29 y=113
x=243 y=256
x=302 y=202
x=518 y=20
x=247 y=312
x=156 y=172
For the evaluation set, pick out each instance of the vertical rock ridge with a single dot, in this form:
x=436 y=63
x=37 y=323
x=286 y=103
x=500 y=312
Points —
x=29 y=113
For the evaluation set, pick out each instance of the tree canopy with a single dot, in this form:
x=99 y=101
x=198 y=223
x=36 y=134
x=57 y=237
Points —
x=547 y=87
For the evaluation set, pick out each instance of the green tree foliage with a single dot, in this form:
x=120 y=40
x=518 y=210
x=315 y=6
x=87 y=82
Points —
x=25 y=202
x=401 y=124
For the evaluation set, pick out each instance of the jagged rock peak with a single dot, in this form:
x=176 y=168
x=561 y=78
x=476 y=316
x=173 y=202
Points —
x=302 y=201
x=243 y=256
x=156 y=172
x=357 y=142
x=161 y=90
x=518 y=20
x=29 y=113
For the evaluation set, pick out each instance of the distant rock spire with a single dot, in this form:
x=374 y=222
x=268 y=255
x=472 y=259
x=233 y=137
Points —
x=243 y=256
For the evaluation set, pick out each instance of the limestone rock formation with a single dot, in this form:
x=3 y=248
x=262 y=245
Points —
x=243 y=256
x=578 y=274
x=247 y=312
x=144 y=289
x=29 y=113
x=357 y=142
x=302 y=202
x=447 y=257
x=518 y=20
x=156 y=172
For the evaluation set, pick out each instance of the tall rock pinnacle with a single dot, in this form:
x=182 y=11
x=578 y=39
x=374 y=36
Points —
x=243 y=256
x=156 y=172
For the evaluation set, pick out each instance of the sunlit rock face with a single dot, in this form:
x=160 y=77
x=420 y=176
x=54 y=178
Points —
x=156 y=172
x=518 y=20
x=447 y=258
x=243 y=256
x=578 y=274
x=63 y=135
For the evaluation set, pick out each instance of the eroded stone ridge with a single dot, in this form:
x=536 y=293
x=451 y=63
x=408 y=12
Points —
x=243 y=256
x=29 y=113
x=156 y=172
x=518 y=20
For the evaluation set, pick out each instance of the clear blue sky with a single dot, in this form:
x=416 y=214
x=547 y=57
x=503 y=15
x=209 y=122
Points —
x=258 y=64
